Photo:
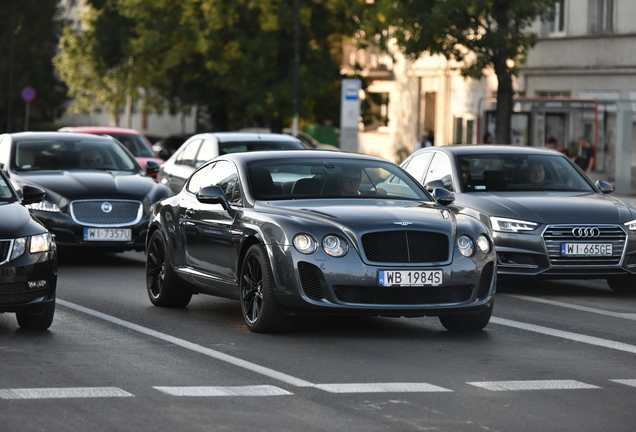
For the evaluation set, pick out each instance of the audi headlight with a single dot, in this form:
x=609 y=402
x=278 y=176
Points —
x=483 y=243
x=511 y=225
x=335 y=246
x=40 y=243
x=44 y=205
x=19 y=246
x=631 y=225
x=305 y=243
x=466 y=245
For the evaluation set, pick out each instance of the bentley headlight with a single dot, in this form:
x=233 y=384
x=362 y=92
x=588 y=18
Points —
x=466 y=245
x=335 y=246
x=305 y=243
x=511 y=225
x=44 y=205
x=19 y=246
x=631 y=225
x=483 y=243
x=40 y=243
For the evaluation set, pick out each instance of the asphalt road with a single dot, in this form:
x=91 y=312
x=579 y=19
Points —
x=557 y=356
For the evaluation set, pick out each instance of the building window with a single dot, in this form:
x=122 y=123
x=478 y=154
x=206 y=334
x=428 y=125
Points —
x=554 y=94
x=557 y=26
x=601 y=16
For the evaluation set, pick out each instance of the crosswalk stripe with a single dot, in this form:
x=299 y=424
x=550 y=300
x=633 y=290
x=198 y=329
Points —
x=256 y=390
x=532 y=385
x=629 y=382
x=62 y=393
x=381 y=388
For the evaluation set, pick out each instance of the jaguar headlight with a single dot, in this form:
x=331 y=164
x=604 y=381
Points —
x=40 y=243
x=19 y=246
x=335 y=245
x=511 y=225
x=483 y=243
x=631 y=225
x=44 y=205
x=305 y=243
x=466 y=245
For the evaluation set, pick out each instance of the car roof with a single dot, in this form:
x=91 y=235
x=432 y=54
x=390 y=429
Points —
x=245 y=136
x=100 y=130
x=246 y=157
x=468 y=149
x=58 y=135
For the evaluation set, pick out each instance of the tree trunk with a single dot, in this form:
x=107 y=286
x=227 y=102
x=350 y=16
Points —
x=503 y=115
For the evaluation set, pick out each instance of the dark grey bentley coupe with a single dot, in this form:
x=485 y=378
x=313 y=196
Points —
x=293 y=232
x=547 y=218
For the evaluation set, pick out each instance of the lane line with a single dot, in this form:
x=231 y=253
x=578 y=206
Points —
x=590 y=340
x=64 y=393
x=629 y=316
x=381 y=388
x=629 y=382
x=271 y=373
x=256 y=390
x=533 y=385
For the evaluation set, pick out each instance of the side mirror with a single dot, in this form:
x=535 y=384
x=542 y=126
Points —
x=604 y=186
x=164 y=154
x=443 y=196
x=32 y=194
x=152 y=167
x=430 y=186
x=212 y=195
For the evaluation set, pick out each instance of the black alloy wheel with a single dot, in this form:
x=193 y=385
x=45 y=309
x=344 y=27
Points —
x=161 y=282
x=260 y=310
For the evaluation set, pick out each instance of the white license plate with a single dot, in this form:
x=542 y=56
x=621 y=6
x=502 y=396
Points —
x=586 y=249
x=410 y=277
x=107 y=234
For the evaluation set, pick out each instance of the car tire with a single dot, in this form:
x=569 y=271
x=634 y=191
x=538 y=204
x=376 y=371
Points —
x=260 y=311
x=161 y=282
x=622 y=284
x=40 y=320
x=467 y=321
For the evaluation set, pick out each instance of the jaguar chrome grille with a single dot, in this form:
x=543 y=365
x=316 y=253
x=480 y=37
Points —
x=5 y=249
x=554 y=235
x=106 y=212
x=405 y=246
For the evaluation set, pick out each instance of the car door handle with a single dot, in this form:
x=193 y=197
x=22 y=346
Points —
x=189 y=212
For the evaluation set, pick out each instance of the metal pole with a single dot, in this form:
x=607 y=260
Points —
x=26 y=116
x=296 y=66
x=11 y=65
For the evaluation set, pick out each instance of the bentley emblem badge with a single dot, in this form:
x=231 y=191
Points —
x=403 y=223
x=107 y=207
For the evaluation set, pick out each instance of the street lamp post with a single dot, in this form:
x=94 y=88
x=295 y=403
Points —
x=296 y=67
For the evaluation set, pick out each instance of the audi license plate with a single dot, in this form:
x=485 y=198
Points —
x=409 y=277
x=586 y=249
x=107 y=234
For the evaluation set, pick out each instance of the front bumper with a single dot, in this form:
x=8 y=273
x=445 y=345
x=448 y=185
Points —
x=16 y=294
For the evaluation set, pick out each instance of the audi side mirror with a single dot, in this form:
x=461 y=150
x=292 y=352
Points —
x=604 y=186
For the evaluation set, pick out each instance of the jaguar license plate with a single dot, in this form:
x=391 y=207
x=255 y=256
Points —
x=586 y=249
x=410 y=277
x=107 y=234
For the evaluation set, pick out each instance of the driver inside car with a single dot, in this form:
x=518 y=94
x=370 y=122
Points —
x=536 y=174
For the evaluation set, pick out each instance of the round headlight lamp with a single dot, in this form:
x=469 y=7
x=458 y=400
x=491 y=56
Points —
x=483 y=243
x=335 y=246
x=305 y=243
x=466 y=245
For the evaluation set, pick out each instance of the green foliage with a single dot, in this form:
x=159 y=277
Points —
x=36 y=26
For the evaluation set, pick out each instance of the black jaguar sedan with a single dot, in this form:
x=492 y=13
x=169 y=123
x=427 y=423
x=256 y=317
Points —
x=97 y=196
x=28 y=259
x=294 y=232
x=547 y=218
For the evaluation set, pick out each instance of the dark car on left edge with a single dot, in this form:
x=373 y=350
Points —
x=303 y=232
x=28 y=259
x=97 y=195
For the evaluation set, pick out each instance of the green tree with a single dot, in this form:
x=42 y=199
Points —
x=28 y=41
x=478 y=33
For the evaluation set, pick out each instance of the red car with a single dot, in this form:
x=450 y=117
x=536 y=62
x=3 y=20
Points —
x=133 y=140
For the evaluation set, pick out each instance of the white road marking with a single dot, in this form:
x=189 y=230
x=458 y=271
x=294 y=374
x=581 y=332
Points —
x=629 y=382
x=256 y=390
x=591 y=340
x=63 y=393
x=271 y=373
x=381 y=388
x=532 y=385
x=629 y=316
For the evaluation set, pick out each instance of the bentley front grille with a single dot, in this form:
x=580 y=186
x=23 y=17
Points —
x=556 y=235
x=106 y=212
x=406 y=246
x=404 y=295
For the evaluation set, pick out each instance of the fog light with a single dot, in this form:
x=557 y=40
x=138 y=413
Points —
x=37 y=284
